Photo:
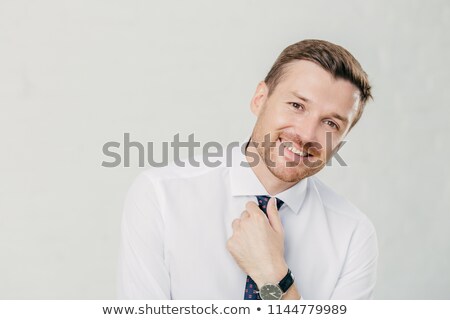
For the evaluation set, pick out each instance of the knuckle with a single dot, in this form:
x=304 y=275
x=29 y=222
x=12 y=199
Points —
x=259 y=215
x=252 y=214
x=250 y=205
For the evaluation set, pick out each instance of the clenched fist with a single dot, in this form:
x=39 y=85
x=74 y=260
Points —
x=257 y=243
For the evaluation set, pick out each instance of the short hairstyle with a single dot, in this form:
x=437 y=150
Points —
x=331 y=57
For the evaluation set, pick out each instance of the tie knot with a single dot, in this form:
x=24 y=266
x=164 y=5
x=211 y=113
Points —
x=263 y=200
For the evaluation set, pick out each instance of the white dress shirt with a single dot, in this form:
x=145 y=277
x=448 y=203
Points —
x=177 y=221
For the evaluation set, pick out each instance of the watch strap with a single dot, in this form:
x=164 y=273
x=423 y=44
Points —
x=286 y=282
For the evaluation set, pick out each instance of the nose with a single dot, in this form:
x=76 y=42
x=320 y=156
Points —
x=307 y=130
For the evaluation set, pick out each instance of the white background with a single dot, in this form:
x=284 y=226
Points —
x=77 y=74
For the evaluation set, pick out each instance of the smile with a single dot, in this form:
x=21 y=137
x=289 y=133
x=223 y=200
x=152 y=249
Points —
x=296 y=151
x=293 y=151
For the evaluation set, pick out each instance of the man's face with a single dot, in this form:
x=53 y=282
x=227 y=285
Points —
x=308 y=110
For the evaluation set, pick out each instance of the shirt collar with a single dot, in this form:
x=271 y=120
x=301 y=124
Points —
x=244 y=182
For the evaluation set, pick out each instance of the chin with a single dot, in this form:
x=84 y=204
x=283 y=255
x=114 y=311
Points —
x=293 y=174
x=289 y=175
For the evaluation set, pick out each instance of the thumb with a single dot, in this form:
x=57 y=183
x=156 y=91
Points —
x=273 y=215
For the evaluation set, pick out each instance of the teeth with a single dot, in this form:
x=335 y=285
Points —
x=296 y=151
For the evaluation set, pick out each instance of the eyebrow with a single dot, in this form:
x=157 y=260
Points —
x=300 y=97
x=333 y=115
x=339 y=117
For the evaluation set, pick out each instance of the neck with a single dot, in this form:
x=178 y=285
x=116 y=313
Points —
x=271 y=183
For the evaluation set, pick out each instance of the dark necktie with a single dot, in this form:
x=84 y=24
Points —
x=250 y=285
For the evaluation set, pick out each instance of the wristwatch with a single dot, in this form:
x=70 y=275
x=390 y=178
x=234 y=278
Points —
x=271 y=291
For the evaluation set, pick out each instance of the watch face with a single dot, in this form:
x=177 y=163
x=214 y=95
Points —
x=270 y=292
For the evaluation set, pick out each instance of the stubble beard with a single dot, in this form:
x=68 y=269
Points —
x=281 y=169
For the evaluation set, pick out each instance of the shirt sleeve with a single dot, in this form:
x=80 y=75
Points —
x=143 y=273
x=358 y=276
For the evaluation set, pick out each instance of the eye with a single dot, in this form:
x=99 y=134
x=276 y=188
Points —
x=331 y=124
x=297 y=105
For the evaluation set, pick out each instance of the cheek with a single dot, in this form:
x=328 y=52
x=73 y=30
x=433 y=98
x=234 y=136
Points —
x=271 y=120
x=285 y=118
x=329 y=142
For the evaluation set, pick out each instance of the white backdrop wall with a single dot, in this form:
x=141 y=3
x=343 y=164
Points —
x=77 y=74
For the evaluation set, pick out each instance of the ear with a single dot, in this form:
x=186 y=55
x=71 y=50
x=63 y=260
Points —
x=259 y=98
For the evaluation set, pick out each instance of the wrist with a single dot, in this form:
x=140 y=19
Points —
x=292 y=293
x=271 y=276
x=276 y=291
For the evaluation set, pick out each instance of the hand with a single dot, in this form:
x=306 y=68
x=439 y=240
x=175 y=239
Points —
x=257 y=243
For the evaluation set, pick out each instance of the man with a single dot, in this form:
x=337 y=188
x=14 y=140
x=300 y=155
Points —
x=212 y=233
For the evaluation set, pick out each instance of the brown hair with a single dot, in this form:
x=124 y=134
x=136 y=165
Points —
x=333 y=58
